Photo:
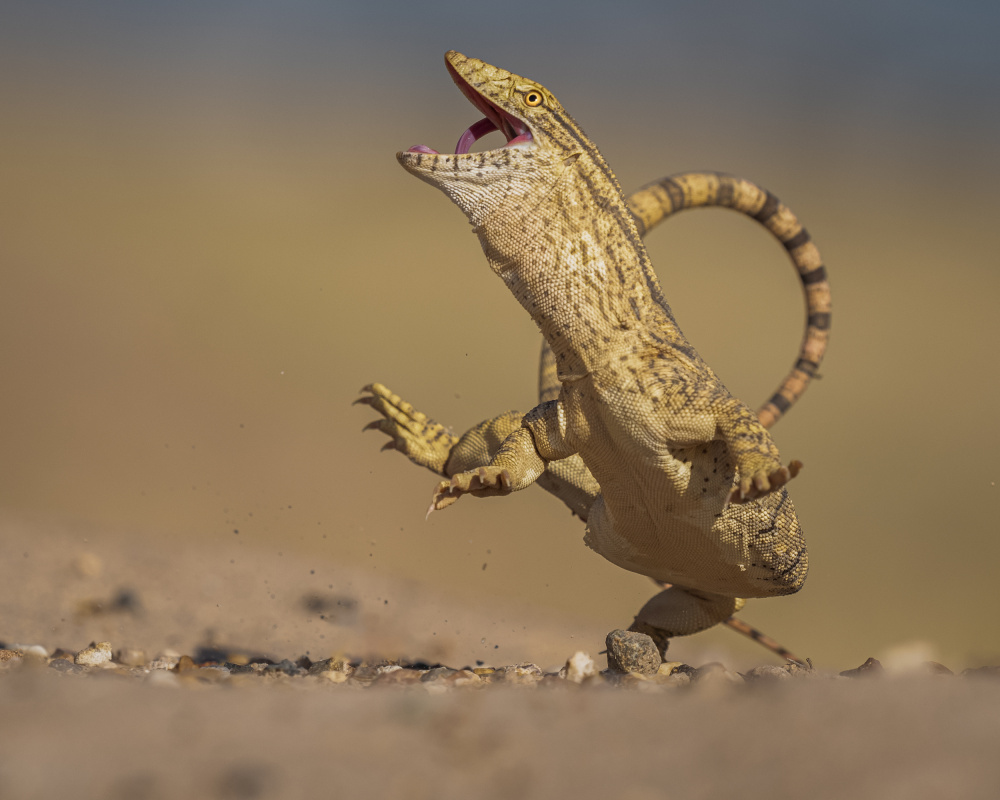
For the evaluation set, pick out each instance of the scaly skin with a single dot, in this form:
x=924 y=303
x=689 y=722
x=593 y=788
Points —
x=637 y=411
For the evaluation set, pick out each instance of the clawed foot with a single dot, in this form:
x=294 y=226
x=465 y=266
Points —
x=414 y=434
x=761 y=482
x=482 y=482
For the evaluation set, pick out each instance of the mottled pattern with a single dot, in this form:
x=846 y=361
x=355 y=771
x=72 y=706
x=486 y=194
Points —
x=656 y=201
x=676 y=478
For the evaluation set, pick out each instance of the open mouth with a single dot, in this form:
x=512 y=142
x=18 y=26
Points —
x=496 y=119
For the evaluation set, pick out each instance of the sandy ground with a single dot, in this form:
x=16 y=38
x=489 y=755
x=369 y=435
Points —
x=114 y=733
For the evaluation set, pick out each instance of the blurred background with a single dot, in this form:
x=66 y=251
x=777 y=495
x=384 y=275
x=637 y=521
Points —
x=207 y=247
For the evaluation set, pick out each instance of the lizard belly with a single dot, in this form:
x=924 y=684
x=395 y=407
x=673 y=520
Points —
x=663 y=508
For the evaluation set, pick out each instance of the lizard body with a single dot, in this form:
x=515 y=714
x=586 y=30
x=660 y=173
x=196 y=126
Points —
x=676 y=478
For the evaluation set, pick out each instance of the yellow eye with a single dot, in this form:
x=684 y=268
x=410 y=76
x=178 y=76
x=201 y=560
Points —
x=533 y=98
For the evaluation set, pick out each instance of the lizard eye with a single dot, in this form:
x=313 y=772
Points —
x=533 y=98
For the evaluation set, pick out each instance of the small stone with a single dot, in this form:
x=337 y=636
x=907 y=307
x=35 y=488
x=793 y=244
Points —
x=630 y=651
x=674 y=673
x=10 y=656
x=95 y=655
x=767 y=673
x=481 y=671
x=331 y=665
x=436 y=674
x=185 y=664
x=525 y=674
x=463 y=677
x=807 y=670
x=934 y=668
x=982 y=672
x=31 y=650
x=870 y=669
x=211 y=673
x=399 y=677
x=333 y=676
x=579 y=667
x=284 y=667
x=64 y=665
x=168 y=659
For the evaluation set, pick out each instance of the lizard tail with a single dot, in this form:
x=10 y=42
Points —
x=762 y=638
x=654 y=202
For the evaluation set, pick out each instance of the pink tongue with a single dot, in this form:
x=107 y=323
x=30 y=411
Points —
x=476 y=132
x=422 y=148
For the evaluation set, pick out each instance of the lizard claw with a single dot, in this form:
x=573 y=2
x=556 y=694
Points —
x=760 y=483
x=411 y=432
x=482 y=482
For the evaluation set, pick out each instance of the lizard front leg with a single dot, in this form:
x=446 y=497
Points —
x=411 y=432
x=760 y=469
x=520 y=461
x=430 y=444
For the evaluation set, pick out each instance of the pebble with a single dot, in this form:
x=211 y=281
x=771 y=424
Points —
x=168 y=659
x=395 y=677
x=436 y=674
x=95 y=655
x=629 y=651
x=64 y=665
x=338 y=665
x=768 y=673
x=525 y=674
x=580 y=667
x=463 y=677
x=284 y=667
x=674 y=673
x=632 y=665
x=982 y=672
x=870 y=669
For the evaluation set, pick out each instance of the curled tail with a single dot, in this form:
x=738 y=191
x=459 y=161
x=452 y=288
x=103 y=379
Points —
x=654 y=202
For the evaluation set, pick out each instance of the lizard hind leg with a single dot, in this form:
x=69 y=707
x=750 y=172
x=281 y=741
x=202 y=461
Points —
x=677 y=611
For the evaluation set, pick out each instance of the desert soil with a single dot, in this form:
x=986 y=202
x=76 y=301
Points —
x=237 y=674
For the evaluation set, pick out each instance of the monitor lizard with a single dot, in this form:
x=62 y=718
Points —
x=675 y=478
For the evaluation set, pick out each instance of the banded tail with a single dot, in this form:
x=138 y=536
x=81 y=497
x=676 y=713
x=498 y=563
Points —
x=654 y=202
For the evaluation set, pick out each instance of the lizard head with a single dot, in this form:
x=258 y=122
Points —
x=531 y=119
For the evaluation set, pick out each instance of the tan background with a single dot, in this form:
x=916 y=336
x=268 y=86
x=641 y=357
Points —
x=206 y=248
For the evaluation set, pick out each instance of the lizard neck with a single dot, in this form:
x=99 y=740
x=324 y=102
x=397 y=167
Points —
x=571 y=255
